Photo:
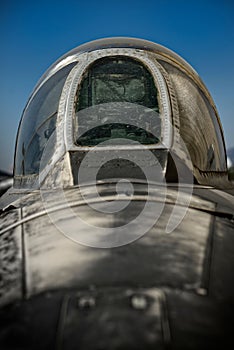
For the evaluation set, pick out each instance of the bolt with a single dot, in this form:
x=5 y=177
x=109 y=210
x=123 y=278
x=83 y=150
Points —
x=139 y=302
x=86 y=302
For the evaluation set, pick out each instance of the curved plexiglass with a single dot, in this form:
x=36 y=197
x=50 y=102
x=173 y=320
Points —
x=117 y=42
x=199 y=126
x=151 y=85
x=38 y=123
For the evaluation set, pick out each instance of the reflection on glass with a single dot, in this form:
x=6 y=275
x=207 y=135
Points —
x=117 y=80
x=118 y=131
x=37 y=144
x=38 y=122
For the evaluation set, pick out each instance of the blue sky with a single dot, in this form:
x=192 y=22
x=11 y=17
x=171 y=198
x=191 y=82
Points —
x=35 y=33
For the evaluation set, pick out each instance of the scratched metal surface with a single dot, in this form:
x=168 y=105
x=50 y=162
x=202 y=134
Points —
x=10 y=258
x=50 y=260
x=173 y=290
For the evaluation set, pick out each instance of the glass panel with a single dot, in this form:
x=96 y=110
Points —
x=120 y=131
x=117 y=80
x=36 y=146
x=199 y=127
x=40 y=114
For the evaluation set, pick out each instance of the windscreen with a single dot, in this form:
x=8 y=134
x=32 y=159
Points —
x=108 y=103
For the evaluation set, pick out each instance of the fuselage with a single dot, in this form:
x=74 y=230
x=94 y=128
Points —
x=118 y=231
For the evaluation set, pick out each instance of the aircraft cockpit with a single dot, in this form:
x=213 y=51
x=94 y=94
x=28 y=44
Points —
x=116 y=225
x=119 y=94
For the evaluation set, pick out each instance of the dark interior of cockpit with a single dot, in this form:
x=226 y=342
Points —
x=119 y=81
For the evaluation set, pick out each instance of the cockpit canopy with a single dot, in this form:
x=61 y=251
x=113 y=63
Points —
x=127 y=91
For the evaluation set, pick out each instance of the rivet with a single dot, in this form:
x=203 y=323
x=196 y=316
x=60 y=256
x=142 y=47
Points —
x=86 y=302
x=139 y=302
x=202 y=291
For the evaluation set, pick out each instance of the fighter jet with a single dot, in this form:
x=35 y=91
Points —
x=118 y=231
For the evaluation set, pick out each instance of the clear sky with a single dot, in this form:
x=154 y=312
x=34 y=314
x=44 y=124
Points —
x=35 y=33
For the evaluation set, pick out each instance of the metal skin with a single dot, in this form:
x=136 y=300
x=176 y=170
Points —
x=159 y=290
